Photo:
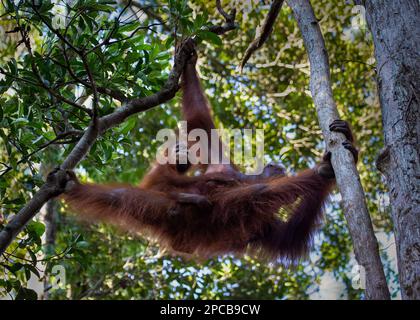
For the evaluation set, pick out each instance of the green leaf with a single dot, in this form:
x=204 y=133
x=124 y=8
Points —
x=49 y=135
x=33 y=256
x=82 y=244
x=169 y=41
x=103 y=7
x=12 y=66
x=128 y=27
x=36 y=227
x=128 y=125
x=20 y=122
x=31 y=269
x=15 y=267
x=210 y=36
x=26 y=294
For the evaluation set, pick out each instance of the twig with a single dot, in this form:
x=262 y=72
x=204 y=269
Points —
x=53 y=30
x=225 y=15
x=116 y=24
x=264 y=32
x=56 y=256
x=230 y=20
x=26 y=41
x=113 y=93
x=43 y=146
x=94 y=89
x=151 y=14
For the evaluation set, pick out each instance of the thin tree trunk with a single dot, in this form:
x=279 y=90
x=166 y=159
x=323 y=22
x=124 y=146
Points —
x=355 y=210
x=395 y=27
x=50 y=219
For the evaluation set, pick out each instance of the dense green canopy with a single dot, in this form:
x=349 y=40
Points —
x=272 y=93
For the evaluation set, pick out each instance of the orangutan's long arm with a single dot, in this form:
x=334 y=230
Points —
x=283 y=213
x=128 y=206
x=195 y=107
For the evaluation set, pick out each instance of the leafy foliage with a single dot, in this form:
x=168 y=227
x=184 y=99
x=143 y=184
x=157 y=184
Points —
x=46 y=66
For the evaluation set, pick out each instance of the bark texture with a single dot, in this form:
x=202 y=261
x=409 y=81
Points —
x=395 y=27
x=360 y=225
x=50 y=219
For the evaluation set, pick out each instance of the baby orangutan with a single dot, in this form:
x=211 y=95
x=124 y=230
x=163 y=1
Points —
x=222 y=210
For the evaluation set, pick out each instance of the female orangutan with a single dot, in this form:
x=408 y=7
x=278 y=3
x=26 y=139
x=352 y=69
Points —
x=222 y=210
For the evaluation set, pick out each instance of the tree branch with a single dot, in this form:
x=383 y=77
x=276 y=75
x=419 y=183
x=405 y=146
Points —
x=42 y=147
x=151 y=14
x=94 y=89
x=229 y=18
x=142 y=104
x=109 y=36
x=263 y=32
x=227 y=26
x=26 y=41
x=53 y=30
x=355 y=209
x=113 y=93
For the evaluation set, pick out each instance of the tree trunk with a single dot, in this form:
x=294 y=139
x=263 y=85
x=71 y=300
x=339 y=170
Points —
x=395 y=27
x=50 y=219
x=348 y=182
